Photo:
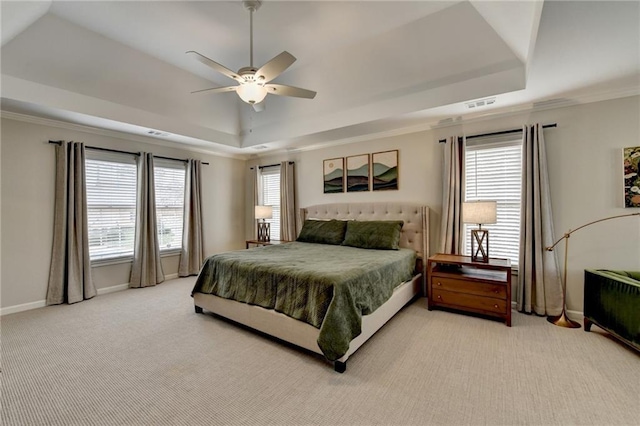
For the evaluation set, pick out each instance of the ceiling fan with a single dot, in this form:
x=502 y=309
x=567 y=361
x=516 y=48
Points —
x=255 y=82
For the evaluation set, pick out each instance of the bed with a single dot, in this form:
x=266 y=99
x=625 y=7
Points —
x=317 y=331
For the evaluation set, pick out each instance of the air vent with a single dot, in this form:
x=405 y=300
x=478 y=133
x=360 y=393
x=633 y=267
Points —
x=480 y=103
x=158 y=133
x=260 y=147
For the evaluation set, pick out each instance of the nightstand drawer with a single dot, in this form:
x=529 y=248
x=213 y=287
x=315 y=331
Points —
x=481 y=289
x=477 y=303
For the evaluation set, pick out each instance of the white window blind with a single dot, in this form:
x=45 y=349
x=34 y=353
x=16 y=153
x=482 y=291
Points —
x=169 y=179
x=270 y=195
x=493 y=171
x=111 y=204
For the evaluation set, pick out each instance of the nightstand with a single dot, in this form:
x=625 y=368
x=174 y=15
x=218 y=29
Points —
x=264 y=243
x=457 y=282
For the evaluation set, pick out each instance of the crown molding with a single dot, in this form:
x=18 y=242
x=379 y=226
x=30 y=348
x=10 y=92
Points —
x=116 y=134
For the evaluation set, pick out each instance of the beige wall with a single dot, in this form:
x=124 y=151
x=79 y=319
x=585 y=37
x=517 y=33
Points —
x=28 y=173
x=584 y=157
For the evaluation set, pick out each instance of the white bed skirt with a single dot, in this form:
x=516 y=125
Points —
x=300 y=333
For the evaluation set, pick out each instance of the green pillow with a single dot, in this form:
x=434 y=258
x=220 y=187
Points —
x=323 y=231
x=374 y=234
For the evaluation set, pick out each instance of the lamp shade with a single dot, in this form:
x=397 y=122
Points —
x=480 y=212
x=264 y=212
x=252 y=92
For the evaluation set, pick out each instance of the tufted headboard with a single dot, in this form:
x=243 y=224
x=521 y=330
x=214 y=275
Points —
x=415 y=231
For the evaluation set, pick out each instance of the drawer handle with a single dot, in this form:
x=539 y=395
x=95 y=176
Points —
x=439 y=297
x=496 y=291
x=495 y=306
x=439 y=283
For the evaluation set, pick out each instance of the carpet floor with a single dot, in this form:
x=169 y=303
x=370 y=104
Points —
x=143 y=357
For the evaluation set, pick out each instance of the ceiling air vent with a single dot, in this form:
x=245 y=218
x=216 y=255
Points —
x=480 y=103
x=260 y=147
x=157 y=133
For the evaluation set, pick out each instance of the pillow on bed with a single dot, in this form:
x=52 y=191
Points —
x=323 y=231
x=374 y=234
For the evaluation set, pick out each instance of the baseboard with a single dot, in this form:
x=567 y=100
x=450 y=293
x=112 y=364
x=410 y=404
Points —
x=574 y=315
x=42 y=303
x=23 y=307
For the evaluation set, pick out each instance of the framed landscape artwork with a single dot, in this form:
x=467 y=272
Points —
x=384 y=170
x=333 y=171
x=631 y=158
x=358 y=173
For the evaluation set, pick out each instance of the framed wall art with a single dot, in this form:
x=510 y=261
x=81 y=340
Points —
x=384 y=170
x=358 y=173
x=631 y=161
x=333 y=171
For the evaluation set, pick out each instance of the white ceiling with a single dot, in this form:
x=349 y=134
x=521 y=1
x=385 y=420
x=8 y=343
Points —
x=377 y=66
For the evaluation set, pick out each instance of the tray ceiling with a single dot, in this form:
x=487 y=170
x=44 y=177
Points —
x=377 y=66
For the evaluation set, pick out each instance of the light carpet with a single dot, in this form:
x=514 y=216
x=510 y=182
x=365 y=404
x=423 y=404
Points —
x=143 y=357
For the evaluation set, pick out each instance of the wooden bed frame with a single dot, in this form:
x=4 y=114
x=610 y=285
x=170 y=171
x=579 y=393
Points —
x=415 y=235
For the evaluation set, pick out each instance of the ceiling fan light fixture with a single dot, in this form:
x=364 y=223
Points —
x=252 y=92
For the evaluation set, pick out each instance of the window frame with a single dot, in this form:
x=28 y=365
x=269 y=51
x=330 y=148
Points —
x=268 y=199
x=169 y=164
x=110 y=157
x=512 y=197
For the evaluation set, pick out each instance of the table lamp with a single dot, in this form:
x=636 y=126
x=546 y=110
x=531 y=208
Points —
x=264 y=230
x=480 y=212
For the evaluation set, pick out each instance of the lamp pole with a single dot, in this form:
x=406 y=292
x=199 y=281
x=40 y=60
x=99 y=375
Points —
x=562 y=320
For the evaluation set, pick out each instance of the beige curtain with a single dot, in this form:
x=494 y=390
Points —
x=146 y=269
x=288 y=229
x=451 y=228
x=192 y=255
x=539 y=287
x=70 y=271
x=253 y=178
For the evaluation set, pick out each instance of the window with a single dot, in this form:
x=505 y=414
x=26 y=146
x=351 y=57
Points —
x=111 y=204
x=169 y=179
x=493 y=171
x=270 y=196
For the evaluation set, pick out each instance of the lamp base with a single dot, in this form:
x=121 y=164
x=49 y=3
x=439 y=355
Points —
x=264 y=231
x=480 y=237
x=563 y=321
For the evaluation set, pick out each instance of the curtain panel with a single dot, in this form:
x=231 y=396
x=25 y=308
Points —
x=254 y=175
x=288 y=228
x=70 y=270
x=192 y=254
x=539 y=288
x=146 y=269
x=451 y=227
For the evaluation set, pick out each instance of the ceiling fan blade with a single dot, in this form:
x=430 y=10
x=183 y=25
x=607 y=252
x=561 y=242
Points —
x=275 y=67
x=216 y=66
x=260 y=106
x=217 y=89
x=282 y=90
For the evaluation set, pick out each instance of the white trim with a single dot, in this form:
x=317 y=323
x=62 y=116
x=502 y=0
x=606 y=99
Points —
x=116 y=134
x=439 y=123
x=42 y=303
x=112 y=289
x=24 y=307
x=574 y=315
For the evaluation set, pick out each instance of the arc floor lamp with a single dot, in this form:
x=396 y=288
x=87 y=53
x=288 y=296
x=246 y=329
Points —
x=562 y=320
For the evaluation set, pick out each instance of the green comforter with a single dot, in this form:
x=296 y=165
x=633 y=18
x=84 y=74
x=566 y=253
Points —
x=327 y=286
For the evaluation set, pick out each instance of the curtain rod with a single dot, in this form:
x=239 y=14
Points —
x=270 y=165
x=504 y=132
x=137 y=154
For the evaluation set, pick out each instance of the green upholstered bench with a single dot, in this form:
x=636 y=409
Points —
x=612 y=302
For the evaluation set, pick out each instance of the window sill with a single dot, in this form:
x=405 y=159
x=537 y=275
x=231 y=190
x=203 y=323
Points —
x=170 y=253
x=128 y=259
x=111 y=261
